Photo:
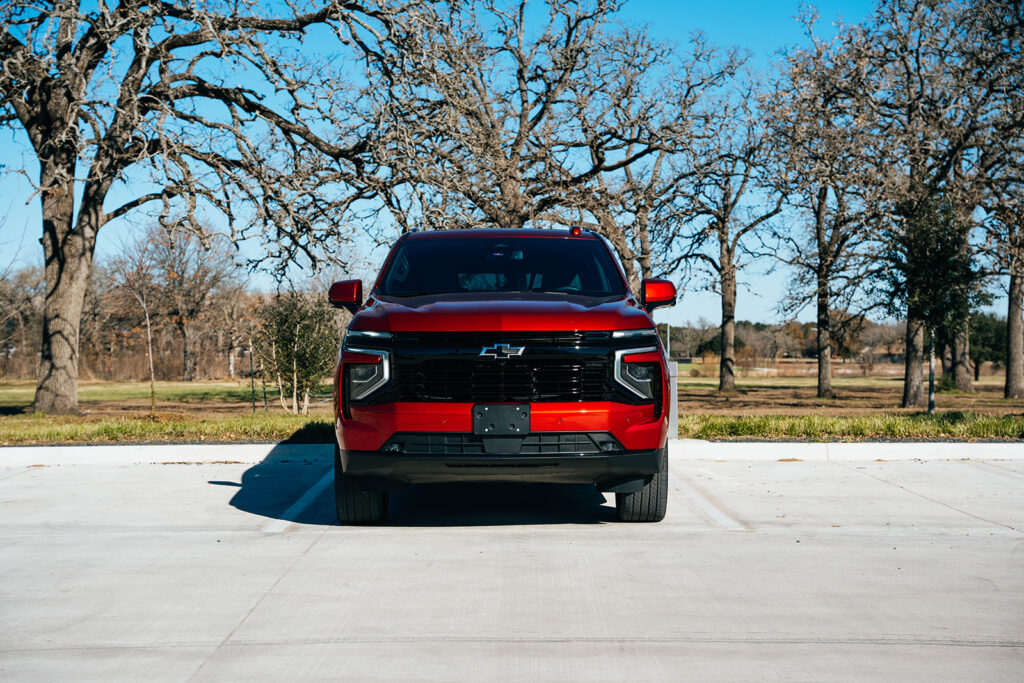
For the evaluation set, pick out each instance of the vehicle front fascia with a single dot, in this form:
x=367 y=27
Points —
x=364 y=427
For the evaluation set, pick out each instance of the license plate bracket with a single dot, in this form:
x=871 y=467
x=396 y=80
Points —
x=501 y=419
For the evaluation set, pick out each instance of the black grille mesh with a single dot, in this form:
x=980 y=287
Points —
x=555 y=366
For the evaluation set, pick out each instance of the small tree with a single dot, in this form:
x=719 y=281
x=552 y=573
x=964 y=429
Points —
x=988 y=340
x=296 y=341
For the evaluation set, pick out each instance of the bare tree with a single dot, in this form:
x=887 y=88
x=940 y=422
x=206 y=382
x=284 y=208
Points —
x=212 y=98
x=189 y=275
x=133 y=273
x=637 y=207
x=1001 y=164
x=21 y=291
x=734 y=195
x=234 y=310
x=823 y=169
x=495 y=120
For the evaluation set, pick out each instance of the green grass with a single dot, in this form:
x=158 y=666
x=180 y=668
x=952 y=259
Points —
x=44 y=429
x=945 y=425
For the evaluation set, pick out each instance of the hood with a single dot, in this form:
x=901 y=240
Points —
x=486 y=313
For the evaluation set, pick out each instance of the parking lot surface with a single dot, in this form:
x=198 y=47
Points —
x=773 y=564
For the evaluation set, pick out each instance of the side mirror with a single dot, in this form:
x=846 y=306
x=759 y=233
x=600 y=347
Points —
x=655 y=293
x=346 y=294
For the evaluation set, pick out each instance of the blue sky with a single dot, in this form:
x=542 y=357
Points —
x=762 y=27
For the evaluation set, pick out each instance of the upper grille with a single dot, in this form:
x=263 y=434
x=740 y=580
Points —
x=555 y=366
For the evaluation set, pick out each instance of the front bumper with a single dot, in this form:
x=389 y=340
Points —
x=565 y=443
x=635 y=427
x=625 y=471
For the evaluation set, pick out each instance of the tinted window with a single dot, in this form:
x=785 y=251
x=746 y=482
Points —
x=492 y=264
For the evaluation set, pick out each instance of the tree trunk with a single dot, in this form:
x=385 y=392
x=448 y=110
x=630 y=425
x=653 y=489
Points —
x=824 y=342
x=644 y=258
x=188 y=360
x=68 y=254
x=962 y=357
x=913 y=376
x=295 y=385
x=726 y=374
x=280 y=385
x=149 y=351
x=1015 y=339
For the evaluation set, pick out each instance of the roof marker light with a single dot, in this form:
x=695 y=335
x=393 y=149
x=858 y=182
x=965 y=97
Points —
x=575 y=230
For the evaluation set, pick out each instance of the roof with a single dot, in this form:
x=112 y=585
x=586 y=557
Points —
x=496 y=232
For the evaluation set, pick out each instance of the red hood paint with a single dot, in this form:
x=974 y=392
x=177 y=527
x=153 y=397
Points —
x=487 y=313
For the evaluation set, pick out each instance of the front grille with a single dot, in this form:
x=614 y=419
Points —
x=554 y=366
x=509 y=381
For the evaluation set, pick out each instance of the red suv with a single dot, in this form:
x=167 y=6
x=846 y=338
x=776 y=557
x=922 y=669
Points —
x=501 y=355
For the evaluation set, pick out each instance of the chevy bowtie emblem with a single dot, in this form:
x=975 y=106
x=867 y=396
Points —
x=502 y=351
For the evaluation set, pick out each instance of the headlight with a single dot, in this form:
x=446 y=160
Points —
x=366 y=378
x=366 y=336
x=638 y=378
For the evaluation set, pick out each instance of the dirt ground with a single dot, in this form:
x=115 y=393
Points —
x=755 y=396
x=797 y=396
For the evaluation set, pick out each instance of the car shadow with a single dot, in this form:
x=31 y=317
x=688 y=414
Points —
x=272 y=488
x=497 y=503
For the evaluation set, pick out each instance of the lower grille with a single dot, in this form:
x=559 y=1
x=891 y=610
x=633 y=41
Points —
x=586 y=443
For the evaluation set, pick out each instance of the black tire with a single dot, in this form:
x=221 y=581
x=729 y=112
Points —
x=356 y=506
x=649 y=503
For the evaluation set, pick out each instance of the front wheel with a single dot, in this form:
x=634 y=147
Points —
x=356 y=506
x=649 y=503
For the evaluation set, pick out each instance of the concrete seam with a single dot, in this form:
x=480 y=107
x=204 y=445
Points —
x=256 y=604
x=930 y=500
x=14 y=474
x=996 y=468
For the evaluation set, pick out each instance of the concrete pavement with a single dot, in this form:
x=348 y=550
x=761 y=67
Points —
x=788 y=562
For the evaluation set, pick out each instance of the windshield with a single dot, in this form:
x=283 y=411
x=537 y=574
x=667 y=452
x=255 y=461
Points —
x=449 y=265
